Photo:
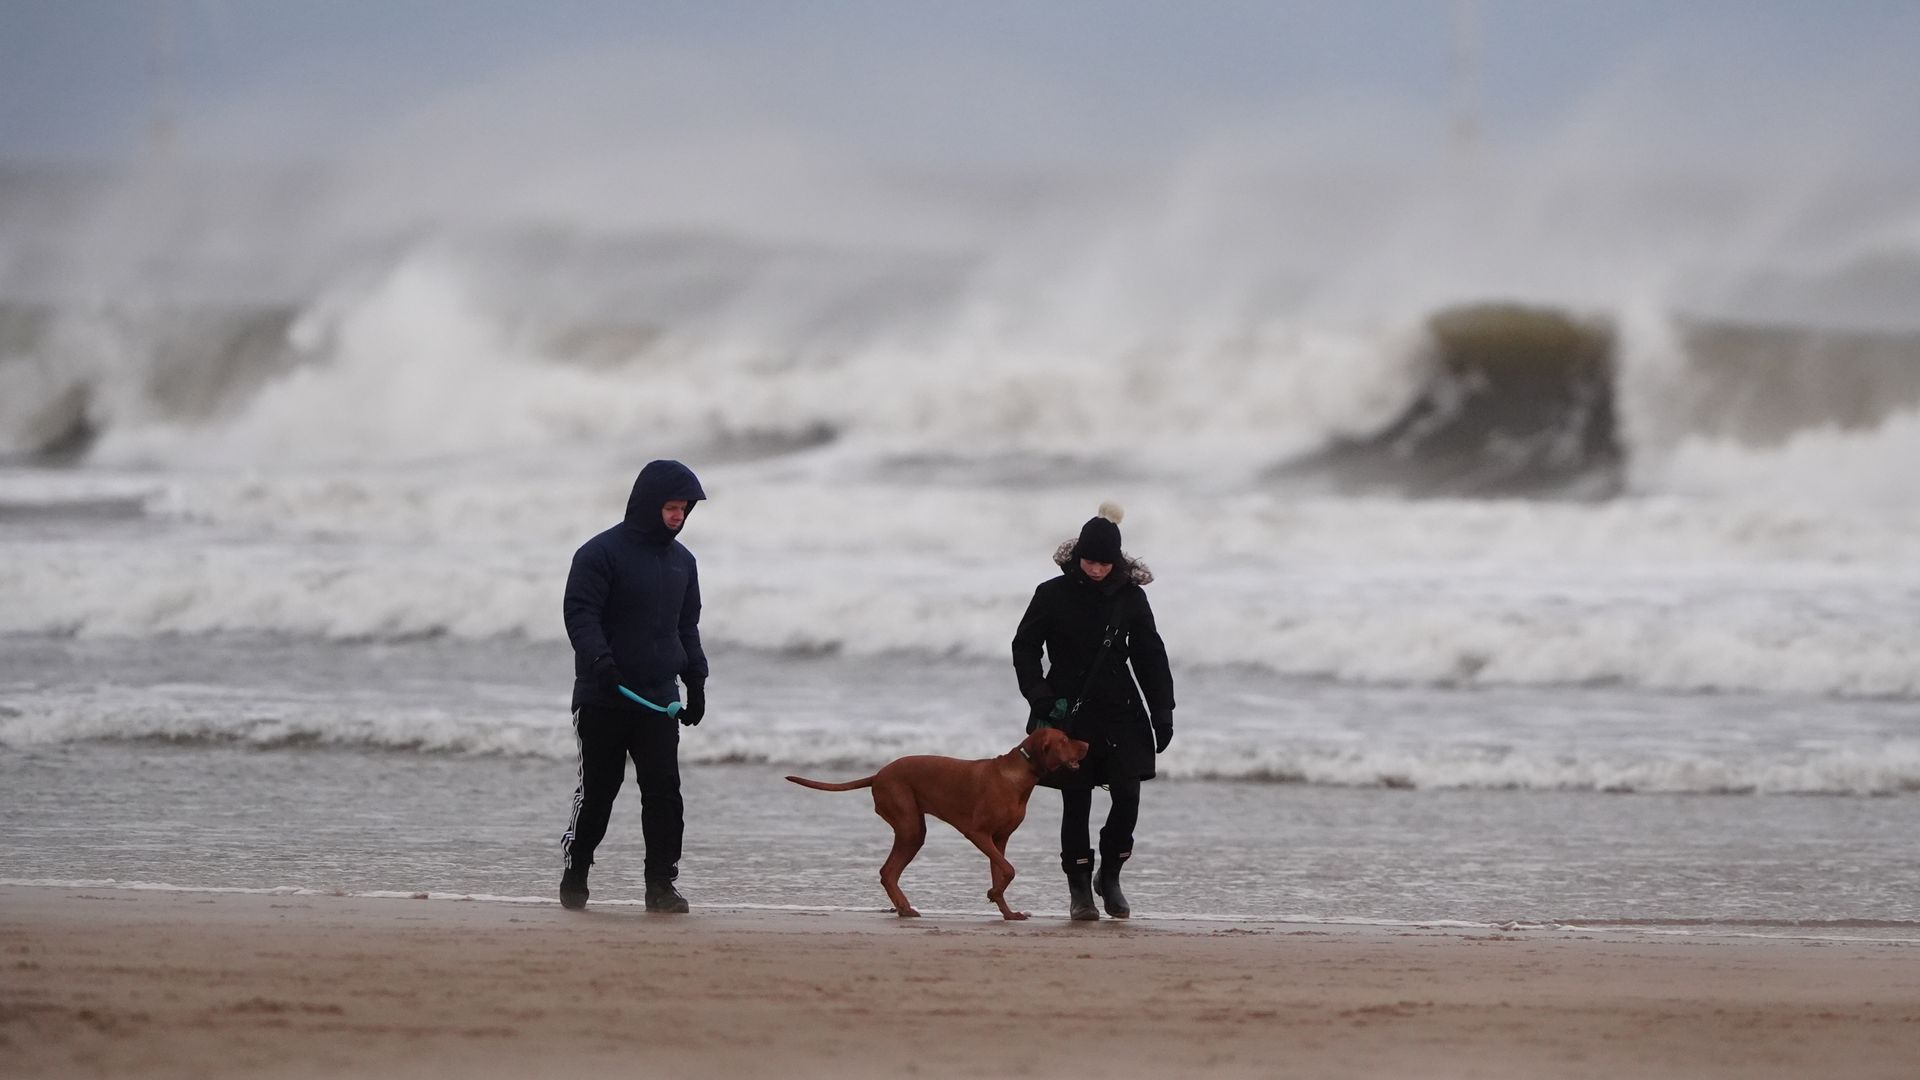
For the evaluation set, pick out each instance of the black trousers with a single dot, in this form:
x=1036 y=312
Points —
x=607 y=738
x=1116 y=836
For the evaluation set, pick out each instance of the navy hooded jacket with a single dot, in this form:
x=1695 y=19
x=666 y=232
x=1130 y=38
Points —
x=634 y=595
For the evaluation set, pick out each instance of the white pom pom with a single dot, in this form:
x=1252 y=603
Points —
x=1111 y=511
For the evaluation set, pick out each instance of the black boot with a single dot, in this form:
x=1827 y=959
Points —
x=1079 y=870
x=573 y=888
x=662 y=896
x=1109 y=884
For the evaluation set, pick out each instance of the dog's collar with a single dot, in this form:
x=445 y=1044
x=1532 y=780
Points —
x=1031 y=763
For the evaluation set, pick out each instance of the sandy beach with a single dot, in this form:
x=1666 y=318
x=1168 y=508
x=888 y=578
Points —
x=106 y=982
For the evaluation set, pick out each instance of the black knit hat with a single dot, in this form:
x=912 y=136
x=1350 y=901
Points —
x=1100 y=536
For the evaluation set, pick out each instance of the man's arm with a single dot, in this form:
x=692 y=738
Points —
x=695 y=673
x=696 y=669
x=589 y=583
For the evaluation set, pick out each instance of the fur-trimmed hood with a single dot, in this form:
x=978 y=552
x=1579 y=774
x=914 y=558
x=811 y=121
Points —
x=1137 y=572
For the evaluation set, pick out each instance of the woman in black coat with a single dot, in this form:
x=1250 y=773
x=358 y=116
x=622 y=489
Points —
x=1090 y=692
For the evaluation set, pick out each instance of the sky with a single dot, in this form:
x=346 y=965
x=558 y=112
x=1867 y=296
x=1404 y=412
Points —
x=1166 y=156
x=992 y=83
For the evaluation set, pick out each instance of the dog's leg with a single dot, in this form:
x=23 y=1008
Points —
x=994 y=849
x=907 y=838
x=897 y=806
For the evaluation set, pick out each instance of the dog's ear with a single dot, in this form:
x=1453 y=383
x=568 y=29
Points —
x=1059 y=751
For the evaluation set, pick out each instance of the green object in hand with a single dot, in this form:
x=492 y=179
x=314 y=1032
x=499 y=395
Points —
x=1059 y=709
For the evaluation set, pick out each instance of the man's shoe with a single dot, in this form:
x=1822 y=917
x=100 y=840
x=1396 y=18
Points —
x=573 y=889
x=663 y=897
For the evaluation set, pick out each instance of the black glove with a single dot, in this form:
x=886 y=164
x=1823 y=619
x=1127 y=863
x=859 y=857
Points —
x=1040 y=695
x=606 y=675
x=696 y=707
x=1162 y=732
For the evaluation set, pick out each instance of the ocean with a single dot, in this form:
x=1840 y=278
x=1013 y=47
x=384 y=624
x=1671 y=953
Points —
x=1493 y=603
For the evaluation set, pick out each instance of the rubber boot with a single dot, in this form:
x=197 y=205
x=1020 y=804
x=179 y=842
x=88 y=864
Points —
x=663 y=897
x=1109 y=884
x=573 y=888
x=1079 y=870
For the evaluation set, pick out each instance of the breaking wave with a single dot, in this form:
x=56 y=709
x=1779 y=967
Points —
x=734 y=350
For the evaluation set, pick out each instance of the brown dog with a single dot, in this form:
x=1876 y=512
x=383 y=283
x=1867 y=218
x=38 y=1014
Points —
x=985 y=799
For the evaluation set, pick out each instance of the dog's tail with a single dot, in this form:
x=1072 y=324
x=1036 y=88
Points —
x=821 y=785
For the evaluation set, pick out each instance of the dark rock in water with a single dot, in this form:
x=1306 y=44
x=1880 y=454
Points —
x=1518 y=402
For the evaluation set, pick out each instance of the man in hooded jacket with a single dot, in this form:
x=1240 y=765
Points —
x=632 y=608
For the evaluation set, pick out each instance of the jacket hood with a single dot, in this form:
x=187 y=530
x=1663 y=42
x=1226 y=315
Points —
x=1137 y=572
x=657 y=484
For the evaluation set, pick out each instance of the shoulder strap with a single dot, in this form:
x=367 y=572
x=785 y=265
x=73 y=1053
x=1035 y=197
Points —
x=1115 y=623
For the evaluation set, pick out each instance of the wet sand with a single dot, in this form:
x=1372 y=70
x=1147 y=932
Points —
x=97 y=982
